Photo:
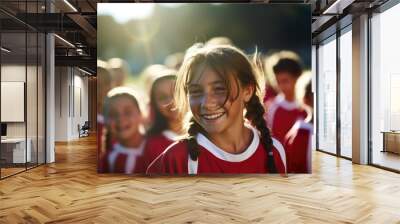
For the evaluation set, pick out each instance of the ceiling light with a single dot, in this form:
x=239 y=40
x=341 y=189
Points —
x=86 y=72
x=70 y=5
x=337 y=7
x=64 y=40
x=5 y=50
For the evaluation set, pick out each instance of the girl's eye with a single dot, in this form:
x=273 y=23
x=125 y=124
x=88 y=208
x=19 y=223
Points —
x=195 y=93
x=220 y=90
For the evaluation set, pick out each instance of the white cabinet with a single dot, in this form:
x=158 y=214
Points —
x=17 y=145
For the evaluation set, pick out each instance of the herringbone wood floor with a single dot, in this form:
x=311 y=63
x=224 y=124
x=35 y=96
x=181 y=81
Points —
x=70 y=191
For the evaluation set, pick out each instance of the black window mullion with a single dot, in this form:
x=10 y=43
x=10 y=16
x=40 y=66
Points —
x=369 y=79
x=338 y=76
x=37 y=90
x=26 y=86
x=316 y=96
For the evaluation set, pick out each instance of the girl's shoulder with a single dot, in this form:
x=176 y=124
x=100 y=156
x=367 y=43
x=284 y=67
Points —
x=166 y=135
x=172 y=161
x=178 y=149
x=151 y=139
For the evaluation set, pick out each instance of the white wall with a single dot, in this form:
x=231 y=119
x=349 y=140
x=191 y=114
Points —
x=71 y=94
x=61 y=103
x=13 y=73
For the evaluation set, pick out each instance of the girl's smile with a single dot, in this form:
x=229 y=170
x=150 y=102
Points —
x=212 y=116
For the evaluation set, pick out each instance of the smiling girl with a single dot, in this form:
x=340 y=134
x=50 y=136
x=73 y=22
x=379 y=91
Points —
x=167 y=125
x=219 y=91
x=123 y=119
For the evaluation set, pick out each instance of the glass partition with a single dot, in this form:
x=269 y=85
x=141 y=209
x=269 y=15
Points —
x=385 y=89
x=22 y=91
x=346 y=93
x=14 y=151
x=327 y=96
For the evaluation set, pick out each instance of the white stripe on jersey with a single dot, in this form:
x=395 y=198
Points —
x=279 y=147
x=223 y=155
x=192 y=166
x=131 y=153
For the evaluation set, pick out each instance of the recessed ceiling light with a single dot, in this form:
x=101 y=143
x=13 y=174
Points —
x=64 y=40
x=70 y=5
x=86 y=72
x=5 y=50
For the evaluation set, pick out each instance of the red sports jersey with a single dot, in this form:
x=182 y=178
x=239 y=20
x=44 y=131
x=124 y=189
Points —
x=270 y=94
x=298 y=147
x=124 y=160
x=157 y=144
x=282 y=115
x=212 y=159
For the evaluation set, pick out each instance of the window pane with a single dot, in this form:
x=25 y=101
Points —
x=327 y=97
x=346 y=94
x=386 y=88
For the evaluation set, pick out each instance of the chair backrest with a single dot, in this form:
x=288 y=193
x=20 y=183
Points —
x=86 y=125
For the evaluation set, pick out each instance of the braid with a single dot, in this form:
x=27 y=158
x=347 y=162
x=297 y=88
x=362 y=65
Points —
x=255 y=113
x=193 y=147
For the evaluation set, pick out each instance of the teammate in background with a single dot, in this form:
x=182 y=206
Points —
x=167 y=125
x=226 y=129
x=284 y=110
x=148 y=76
x=271 y=86
x=119 y=70
x=298 y=140
x=174 y=61
x=123 y=118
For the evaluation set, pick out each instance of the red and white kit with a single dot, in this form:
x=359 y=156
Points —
x=212 y=159
x=298 y=147
x=282 y=115
x=124 y=160
x=157 y=144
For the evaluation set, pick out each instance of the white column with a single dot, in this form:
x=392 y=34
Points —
x=360 y=90
x=50 y=94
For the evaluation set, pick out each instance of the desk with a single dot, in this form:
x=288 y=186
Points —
x=391 y=141
x=15 y=148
